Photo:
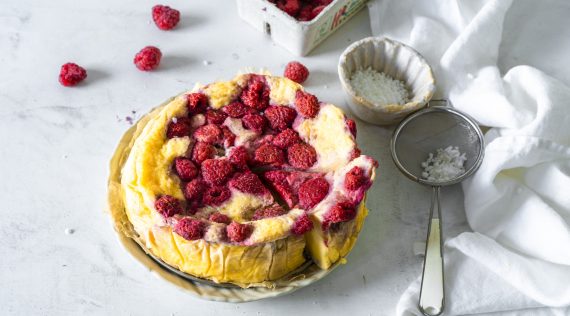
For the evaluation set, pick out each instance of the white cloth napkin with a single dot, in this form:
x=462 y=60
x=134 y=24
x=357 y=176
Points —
x=507 y=63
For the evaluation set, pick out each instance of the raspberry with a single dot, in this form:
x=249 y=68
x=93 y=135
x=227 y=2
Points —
x=276 y=176
x=165 y=17
x=228 y=138
x=214 y=196
x=190 y=229
x=306 y=13
x=269 y=155
x=195 y=189
x=268 y=212
x=254 y=122
x=307 y=104
x=217 y=171
x=71 y=74
x=215 y=117
x=237 y=110
x=317 y=10
x=280 y=117
x=185 y=169
x=355 y=153
x=301 y=155
x=148 y=58
x=220 y=218
x=351 y=127
x=286 y=139
x=354 y=179
x=302 y=225
x=312 y=191
x=239 y=158
x=248 y=182
x=238 y=232
x=202 y=151
x=196 y=103
x=256 y=94
x=296 y=72
x=168 y=206
x=182 y=127
x=341 y=212
x=290 y=7
x=322 y=2
x=278 y=180
x=208 y=134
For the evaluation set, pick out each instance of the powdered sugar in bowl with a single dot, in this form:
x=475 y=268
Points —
x=384 y=80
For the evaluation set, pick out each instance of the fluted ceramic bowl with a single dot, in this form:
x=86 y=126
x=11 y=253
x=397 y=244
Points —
x=396 y=60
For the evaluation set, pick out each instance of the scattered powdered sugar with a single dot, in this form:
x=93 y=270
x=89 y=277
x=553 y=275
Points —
x=446 y=165
x=378 y=88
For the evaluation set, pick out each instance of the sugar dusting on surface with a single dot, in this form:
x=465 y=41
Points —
x=378 y=88
x=445 y=165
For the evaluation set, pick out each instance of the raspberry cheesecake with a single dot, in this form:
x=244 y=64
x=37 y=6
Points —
x=243 y=181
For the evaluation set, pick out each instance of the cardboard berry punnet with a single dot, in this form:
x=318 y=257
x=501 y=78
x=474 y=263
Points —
x=296 y=36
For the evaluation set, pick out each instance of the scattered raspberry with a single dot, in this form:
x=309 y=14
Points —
x=217 y=195
x=280 y=117
x=254 y=122
x=354 y=179
x=215 y=117
x=354 y=154
x=217 y=171
x=202 y=151
x=194 y=189
x=248 y=182
x=168 y=206
x=228 y=138
x=185 y=169
x=351 y=127
x=256 y=94
x=165 y=17
x=312 y=191
x=307 y=104
x=238 y=232
x=208 y=134
x=301 y=155
x=148 y=58
x=239 y=157
x=237 y=110
x=296 y=72
x=278 y=180
x=341 y=212
x=302 y=225
x=269 y=155
x=220 y=218
x=272 y=211
x=196 y=103
x=190 y=229
x=290 y=7
x=71 y=74
x=181 y=128
x=286 y=139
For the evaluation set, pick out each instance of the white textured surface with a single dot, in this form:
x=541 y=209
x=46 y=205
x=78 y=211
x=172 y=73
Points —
x=56 y=142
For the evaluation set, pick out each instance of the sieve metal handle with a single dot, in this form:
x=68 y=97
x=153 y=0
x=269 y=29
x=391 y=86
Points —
x=438 y=102
x=432 y=296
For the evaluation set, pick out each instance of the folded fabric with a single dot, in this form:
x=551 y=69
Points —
x=504 y=63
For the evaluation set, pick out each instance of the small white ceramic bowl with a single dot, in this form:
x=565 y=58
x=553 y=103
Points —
x=396 y=60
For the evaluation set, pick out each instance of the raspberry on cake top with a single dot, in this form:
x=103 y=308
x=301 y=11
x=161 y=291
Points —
x=234 y=180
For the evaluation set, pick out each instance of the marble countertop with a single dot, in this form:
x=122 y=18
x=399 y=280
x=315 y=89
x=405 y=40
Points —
x=60 y=254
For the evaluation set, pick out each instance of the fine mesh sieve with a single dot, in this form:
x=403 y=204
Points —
x=418 y=135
